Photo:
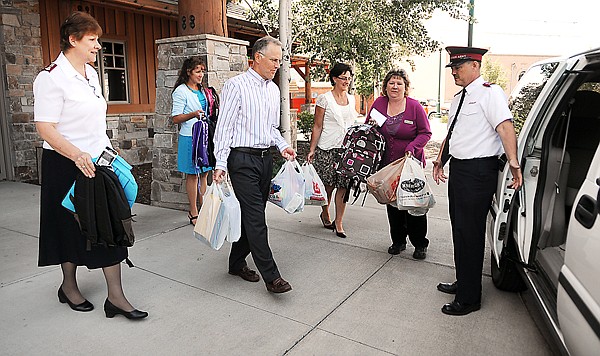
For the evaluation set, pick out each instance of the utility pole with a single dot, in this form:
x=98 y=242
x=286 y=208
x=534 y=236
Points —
x=471 y=17
x=285 y=36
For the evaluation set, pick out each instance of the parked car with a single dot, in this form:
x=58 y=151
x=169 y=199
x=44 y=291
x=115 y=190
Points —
x=430 y=106
x=545 y=237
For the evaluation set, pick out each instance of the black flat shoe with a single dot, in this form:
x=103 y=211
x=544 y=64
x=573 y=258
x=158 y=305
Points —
x=420 y=253
x=86 y=306
x=449 y=288
x=341 y=234
x=325 y=224
x=396 y=249
x=110 y=310
x=458 y=308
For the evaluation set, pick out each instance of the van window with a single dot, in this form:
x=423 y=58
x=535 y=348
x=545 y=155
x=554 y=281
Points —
x=527 y=91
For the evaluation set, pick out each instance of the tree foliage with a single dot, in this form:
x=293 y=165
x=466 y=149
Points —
x=371 y=35
x=493 y=72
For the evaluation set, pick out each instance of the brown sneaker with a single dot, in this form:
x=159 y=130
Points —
x=247 y=274
x=279 y=285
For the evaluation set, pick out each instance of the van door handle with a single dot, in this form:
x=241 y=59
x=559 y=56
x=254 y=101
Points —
x=586 y=211
x=598 y=197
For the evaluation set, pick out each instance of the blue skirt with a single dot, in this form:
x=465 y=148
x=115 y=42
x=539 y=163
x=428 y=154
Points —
x=184 y=157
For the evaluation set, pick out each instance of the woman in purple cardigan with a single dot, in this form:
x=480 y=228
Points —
x=406 y=129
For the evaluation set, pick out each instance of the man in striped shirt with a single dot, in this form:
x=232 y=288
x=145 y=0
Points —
x=247 y=127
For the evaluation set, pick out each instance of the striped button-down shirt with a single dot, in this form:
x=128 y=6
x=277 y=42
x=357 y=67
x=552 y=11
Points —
x=248 y=116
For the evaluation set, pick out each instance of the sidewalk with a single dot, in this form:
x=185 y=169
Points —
x=350 y=297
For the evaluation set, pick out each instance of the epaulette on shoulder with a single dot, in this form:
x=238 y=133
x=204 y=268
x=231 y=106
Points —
x=458 y=93
x=51 y=67
x=487 y=84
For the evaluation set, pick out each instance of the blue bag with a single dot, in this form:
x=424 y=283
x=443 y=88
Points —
x=123 y=171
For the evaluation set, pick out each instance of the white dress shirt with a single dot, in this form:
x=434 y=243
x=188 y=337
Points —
x=248 y=116
x=63 y=96
x=483 y=109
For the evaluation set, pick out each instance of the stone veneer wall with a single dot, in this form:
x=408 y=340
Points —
x=133 y=134
x=21 y=58
x=225 y=58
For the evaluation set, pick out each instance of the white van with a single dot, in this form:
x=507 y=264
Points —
x=545 y=237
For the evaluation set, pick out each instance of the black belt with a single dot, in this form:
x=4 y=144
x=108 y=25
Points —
x=261 y=152
x=477 y=159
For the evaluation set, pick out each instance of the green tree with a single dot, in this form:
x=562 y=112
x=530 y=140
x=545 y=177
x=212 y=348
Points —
x=371 y=35
x=493 y=72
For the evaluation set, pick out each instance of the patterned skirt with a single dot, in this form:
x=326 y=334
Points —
x=324 y=161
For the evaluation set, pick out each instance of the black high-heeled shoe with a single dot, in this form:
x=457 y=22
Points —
x=192 y=218
x=325 y=224
x=86 y=306
x=341 y=234
x=111 y=310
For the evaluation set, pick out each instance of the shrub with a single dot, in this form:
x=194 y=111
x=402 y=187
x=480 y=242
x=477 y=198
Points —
x=306 y=120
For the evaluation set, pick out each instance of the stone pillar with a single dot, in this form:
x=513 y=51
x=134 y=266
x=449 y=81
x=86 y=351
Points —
x=225 y=58
x=21 y=60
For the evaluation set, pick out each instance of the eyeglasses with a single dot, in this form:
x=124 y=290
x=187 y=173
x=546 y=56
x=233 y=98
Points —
x=276 y=61
x=346 y=79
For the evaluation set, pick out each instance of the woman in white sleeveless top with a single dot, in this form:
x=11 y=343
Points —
x=334 y=113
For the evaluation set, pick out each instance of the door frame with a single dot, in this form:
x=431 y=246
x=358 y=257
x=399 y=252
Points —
x=6 y=171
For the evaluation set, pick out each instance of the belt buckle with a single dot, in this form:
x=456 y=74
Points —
x=263 y=153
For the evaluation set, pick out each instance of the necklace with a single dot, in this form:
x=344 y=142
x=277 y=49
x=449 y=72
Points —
x=396 y=108
x=341 y=100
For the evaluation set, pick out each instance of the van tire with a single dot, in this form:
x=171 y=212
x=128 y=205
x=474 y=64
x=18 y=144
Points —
x=506 y=276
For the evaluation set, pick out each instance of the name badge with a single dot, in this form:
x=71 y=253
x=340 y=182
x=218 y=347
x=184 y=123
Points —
x=409 y=122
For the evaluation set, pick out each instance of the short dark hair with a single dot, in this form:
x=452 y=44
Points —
x=188 y=65
x=396 y=73
x=78 y=24
x=339 y=69
x=264 y=42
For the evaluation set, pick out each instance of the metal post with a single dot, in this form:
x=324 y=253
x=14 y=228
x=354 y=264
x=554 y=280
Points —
x=471 y=17
x=284 y=72
x=439 y=107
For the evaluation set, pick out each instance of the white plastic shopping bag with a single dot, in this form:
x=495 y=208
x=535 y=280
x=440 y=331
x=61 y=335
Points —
x=287 y=188
x=413 y=192
x=232 y=208
x=212 y=224
x=314 y=189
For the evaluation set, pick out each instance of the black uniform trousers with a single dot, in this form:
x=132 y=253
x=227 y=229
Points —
x=251 y=177
x=471 y=186
x=402 y=224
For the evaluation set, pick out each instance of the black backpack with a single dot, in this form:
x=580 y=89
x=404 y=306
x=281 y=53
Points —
x=362 y=153
x=102 y=210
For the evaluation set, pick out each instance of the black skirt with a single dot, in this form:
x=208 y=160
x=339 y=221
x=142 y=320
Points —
x=60 y=238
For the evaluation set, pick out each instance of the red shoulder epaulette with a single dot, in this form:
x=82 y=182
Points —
x=50 y=67
x=487 y=84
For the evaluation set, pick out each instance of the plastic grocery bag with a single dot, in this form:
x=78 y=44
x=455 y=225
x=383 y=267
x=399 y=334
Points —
x=413 y=192
x=314 y=189
x=287 y=188
x=212 y=224
x=384 y=182
x=233 y=211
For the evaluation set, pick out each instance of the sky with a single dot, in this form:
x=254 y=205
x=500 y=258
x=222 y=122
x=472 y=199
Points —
x=536 y=27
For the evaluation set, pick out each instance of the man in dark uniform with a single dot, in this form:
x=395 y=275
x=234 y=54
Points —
x=480 y=130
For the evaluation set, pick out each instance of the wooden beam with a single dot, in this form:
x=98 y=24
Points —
x=299 y=70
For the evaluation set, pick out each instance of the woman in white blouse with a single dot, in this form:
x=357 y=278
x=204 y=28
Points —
x=334 y=113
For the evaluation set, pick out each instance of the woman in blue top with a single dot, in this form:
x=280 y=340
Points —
x=190 y=104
